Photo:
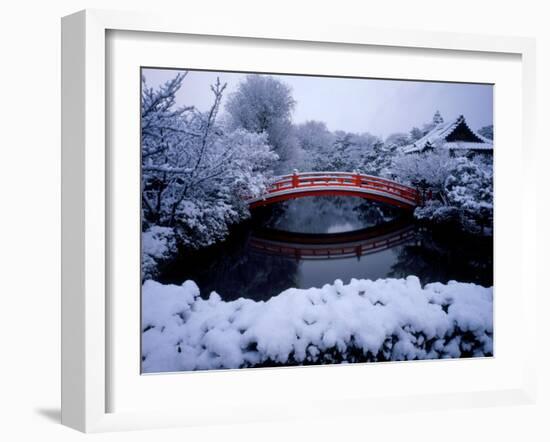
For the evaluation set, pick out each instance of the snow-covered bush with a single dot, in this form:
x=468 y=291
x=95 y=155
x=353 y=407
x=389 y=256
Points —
x=158 y=245
x=465 y=199
x=436 y=212
x=469 y=190
x=383 y=320
x=461 y=188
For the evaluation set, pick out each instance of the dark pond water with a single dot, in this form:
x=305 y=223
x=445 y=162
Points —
x=310 y=242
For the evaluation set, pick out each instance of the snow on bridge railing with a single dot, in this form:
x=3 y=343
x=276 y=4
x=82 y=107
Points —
x=344 y=179
x=337 y=176
x=299 y=184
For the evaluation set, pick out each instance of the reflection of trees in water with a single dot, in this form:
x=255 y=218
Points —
x=372 y=213
x=233 y=271
x=250 y=275
x=445 y=255
x=323 y=214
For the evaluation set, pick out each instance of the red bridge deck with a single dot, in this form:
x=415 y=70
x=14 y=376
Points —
x=304 y=184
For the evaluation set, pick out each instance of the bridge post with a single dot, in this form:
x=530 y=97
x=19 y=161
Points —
x=356 y=178
x=295 y=179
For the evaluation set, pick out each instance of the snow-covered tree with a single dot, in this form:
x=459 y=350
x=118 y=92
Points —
x=341 y=156
x=426 y=170
x=377 y=159
x=486 y=131
x=197 y=172
x=264 y=104
x=415 y=134
x=398 y=139
x=314 y=140
x=160 y=121
x=350 y=151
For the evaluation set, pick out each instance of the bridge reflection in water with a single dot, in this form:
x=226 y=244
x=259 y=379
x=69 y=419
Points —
x=306 y=246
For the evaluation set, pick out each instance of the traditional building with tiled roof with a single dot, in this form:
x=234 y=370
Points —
x=456 y=137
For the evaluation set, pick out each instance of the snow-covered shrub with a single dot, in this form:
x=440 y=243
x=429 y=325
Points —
x=383 y=320
x=202 y=223
x=434 y=211
x=461 y=188
x=469 y=190
x=158 y=245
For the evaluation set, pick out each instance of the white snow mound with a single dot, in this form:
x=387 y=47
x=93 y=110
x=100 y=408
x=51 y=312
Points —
x=383 y=320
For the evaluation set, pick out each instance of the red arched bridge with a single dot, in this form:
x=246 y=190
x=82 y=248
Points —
x=298 y=185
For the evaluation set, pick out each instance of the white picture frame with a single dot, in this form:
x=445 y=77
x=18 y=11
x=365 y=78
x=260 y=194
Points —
x=86 y=214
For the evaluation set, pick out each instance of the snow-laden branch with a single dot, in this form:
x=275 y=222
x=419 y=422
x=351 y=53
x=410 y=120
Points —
x=166 y=168
x=161 y=99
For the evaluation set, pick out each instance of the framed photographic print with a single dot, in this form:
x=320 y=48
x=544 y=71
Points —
x=278 y=231
x=252 y=213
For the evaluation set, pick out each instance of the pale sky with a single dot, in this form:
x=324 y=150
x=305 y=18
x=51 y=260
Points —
x=380 y=107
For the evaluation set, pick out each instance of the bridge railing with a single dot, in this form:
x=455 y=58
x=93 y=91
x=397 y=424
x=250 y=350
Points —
x=344 y=179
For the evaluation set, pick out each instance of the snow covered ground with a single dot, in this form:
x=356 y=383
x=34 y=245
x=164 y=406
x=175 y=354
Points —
x=387 y=319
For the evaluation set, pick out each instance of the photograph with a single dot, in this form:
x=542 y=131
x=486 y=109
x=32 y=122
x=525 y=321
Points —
x=296 y=220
